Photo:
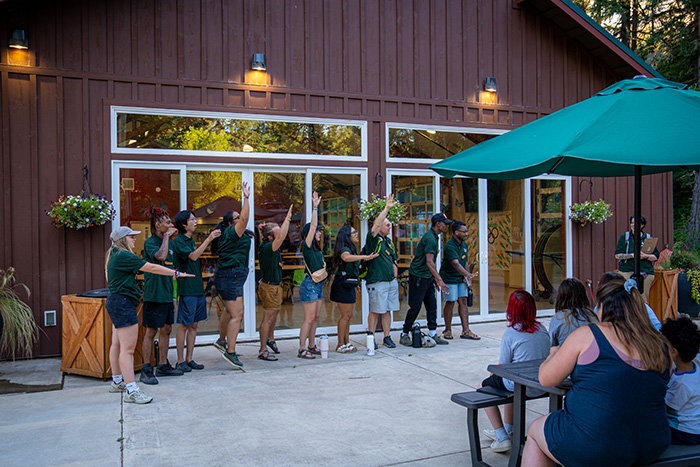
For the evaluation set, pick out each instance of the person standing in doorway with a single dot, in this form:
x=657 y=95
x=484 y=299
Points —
x=455 y=274
x=423 y=278
x=193 y=305
x=231 y=274
x=121 y=267
x=382 y=273
x=270 y=287
x=158 y=306
x=624 y=253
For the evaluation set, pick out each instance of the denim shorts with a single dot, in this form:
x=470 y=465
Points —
x=229 y=282
x=192 y=309
x=455 y=292
x=121 y=311
x=310 y=291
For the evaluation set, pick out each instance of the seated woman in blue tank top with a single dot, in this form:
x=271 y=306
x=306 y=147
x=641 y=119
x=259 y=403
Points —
x=615 y=413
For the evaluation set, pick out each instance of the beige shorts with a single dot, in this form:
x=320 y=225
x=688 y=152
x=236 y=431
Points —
x=270 y=296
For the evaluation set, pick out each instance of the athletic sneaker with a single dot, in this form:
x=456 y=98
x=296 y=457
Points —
x=501 y=446
x=184 y=367
x=194 y=365
x=405 y=340
x=491 y=434
x=389 y=343
x=114 y=387
x=439 y=340
x=138 y=397
x=220 y=345
x=147 y=376
x=166 y=369
x=232 y=358
x=427 y=341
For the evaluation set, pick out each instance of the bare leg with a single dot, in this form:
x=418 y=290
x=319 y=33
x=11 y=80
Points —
x=147 y=345
x=386 y=323
x=235 y=309
x=114 y=353
x=309 y=317
x=191 y=336
x=164 y=343
x=494 y=417
x=463 y=311
x=536 y=452
x=345 y=310
x=127 y=343
x=314 y=323
x=372 y=319
x=223 y=322
x=267 y=327
x=180 y=342
x=447 y=314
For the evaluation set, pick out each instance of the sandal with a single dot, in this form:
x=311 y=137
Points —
x=314 y=350
x=447 y=335
x=469 y=335
x=303 y=353
x=273 y=346
x=351 y=349
x=266 y=355
x=342 y=349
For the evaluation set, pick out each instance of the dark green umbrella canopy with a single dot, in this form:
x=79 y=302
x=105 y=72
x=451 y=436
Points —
x=634 y=127
x=650 y=122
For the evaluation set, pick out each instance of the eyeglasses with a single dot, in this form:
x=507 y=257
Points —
x=235 y=218
x=354 y=232
x=192 y=219
x=463 y=231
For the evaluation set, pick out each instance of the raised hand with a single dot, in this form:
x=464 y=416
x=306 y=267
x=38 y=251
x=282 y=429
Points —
x=289 y=212
x=315 y=200
x=390 y=201
x=246 y=189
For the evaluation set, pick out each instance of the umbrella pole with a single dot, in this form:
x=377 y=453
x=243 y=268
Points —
x=637 y=276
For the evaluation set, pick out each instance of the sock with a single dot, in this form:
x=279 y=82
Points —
x=501 y=434
x=432 y=332
x=508 y=428
x=404 y=334
x=117 y=379
x=131 y=387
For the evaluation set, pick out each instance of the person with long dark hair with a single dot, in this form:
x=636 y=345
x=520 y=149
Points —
x=311 y=292
x=615 y=412
x=192 y=307
x=230 y=218
x=346 y=263
x=270 y=286
x=231 y=274
x=121 y=267
x=571 y=310
x=524 y=339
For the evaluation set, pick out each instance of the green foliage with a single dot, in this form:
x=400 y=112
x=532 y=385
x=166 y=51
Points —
x=201 y=139
x=370 y=209
x=81 y=211
x=19 y=330
x=694 y=279
x=590 y=211
x=683 y=182
x=684 y=259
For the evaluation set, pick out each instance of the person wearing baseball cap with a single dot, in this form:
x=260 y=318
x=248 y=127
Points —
x=423 y=278
x=121 y=267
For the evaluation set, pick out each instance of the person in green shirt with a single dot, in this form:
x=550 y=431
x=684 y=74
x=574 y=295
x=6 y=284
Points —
x=346 y=263
x=231 y=273
x=624 y=253
x=158 y=307
x=311 y=292
x=457 y=277
x=423 y=278
x=270 y=287
x=192 y=306
x=121 y=267
x=230 y=218
x=382 y=272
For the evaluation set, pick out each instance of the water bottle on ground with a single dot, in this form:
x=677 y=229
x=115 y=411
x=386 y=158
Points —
x=417 y=336
x=323 y=345
x=370 y=343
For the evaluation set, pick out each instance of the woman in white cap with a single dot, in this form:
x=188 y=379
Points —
x=121 y=267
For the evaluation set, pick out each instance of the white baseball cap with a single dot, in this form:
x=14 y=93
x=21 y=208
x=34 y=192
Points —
x=121 y=232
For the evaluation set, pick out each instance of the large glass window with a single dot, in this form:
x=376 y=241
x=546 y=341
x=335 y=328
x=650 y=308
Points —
x=199 y=132
x=431 y=144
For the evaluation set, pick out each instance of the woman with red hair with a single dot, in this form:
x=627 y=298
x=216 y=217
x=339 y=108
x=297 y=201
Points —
x=524 y=339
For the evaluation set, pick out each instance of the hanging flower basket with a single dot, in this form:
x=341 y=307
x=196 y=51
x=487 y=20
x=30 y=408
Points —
x=370 y=209
x=81 y=211
x=590 y=211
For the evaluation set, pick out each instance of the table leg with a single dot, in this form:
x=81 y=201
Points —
x=555 y=402
x=518 y=425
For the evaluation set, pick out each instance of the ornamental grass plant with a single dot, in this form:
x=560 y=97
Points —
x=19 y=330
x=81 y=211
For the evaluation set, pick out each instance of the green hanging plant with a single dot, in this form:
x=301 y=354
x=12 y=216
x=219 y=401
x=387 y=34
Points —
x=590 y=211
x=370 y=209
x=19 y=330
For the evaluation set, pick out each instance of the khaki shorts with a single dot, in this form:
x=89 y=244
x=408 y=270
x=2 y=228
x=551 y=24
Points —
x=383 y=297
x=270 y=295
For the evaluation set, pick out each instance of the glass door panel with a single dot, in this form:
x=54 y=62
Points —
x=506 y=255
x=273 y=193
x=416 y=194
x=339 y=207
x=460 y=202
x=548 y=240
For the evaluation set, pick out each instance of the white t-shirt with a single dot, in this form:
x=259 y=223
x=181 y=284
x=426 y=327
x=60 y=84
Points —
x=683 y=395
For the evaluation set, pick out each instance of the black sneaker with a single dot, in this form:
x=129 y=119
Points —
x=389 y=343
x=166 y=369
x=147 y=376
x=184 y=367
x=194 y=365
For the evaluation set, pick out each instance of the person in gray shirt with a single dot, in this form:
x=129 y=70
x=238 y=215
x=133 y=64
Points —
x=572 y=309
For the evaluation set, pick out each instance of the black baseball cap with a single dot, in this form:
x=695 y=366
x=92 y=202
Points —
x=440 y=217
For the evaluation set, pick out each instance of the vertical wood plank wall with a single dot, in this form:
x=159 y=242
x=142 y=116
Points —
x=420 y=62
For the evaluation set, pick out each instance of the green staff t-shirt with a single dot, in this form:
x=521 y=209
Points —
x=187 y=286
x=454 y=250
x=427 y=244
x=381 y=268
x=121 y=274
x=157 y=288
x=270 y=263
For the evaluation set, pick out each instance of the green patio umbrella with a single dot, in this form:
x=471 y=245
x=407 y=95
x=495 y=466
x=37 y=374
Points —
x=634 y=127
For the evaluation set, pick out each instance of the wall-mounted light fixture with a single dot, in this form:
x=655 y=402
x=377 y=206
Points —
x=18 y=40
x=490 y=85
x=258 y=62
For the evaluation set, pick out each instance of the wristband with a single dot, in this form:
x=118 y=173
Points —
x=176 y=273
x=287 y=219
x=246 y=197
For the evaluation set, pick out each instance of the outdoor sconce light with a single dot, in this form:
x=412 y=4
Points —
x=18 y=39
x=490 y=85
x=258 y=62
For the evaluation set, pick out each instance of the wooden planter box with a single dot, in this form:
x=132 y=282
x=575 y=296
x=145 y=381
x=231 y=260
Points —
x=663 y=294
x=87 y=336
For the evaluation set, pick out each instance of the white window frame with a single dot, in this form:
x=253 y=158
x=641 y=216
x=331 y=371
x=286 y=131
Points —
x=115 y=109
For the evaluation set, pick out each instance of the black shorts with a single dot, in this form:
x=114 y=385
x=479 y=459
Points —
x=156 y=315
x=340 y=294
x=121 y=311
x=229 y=282
x=495 y=382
